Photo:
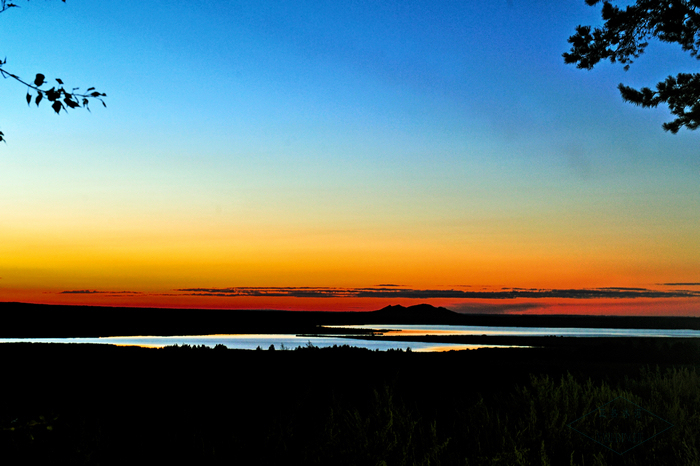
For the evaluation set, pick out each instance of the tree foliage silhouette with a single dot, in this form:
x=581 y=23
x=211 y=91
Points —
x=38 y=90
x=624 y=37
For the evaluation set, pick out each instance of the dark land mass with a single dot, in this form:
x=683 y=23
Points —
x=19 y=320
x=108 y=405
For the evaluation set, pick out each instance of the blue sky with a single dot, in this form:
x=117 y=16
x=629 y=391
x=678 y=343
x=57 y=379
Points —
x=451 y=131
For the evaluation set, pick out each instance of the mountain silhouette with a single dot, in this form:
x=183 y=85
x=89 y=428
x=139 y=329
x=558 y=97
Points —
x=418 y=314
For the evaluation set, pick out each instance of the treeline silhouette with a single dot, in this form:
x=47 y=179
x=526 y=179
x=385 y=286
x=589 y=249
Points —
x=99 y=404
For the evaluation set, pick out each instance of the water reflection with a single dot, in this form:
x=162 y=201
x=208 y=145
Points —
x=251 y=342
x=339 y=338
x=433 y=330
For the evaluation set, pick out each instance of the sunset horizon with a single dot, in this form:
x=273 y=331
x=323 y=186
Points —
x=669 y=300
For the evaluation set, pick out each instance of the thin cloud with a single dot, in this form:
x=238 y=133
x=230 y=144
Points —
x=486 y=308
x=621 y=289
x=80 y=292
x=391 y=292
x=112 y=293
x=681 y=284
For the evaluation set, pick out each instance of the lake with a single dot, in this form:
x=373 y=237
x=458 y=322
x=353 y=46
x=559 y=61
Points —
x=434 y=330
x=251 y=342
x=289 y=341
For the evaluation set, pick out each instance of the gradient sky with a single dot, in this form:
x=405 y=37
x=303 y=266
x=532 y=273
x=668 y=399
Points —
x=435 y=145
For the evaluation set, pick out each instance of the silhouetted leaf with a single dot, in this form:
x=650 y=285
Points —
x=57 y=106
x=59 y=81
x=39 y=80
x=52 y=94
x=29 y=98
x=70 y=102
x=38 y=98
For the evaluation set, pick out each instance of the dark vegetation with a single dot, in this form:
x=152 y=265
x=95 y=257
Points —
x=94 y=404
x=625 y=35
x=59 y=97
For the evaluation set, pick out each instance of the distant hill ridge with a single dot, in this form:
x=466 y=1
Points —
x=418 y=314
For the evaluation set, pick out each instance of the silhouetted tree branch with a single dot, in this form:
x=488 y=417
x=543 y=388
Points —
x=4 y=5
x=624 y=37
x=60 y=98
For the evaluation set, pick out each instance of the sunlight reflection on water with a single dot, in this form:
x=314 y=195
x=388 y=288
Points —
x=253 y=341
x=288 y=341
x=435 y=330
x=282 y=341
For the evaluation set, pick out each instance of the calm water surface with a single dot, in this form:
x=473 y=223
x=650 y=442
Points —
x=251 y=342
x=426 y=330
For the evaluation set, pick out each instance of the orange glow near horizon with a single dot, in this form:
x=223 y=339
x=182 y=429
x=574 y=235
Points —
x=142 y=261
x=571 y=306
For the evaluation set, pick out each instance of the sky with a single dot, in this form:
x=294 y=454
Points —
x=328 y=155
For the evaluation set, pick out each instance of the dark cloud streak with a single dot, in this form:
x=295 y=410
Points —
x=116 y=293
x=484 y=308
x=385 y=292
